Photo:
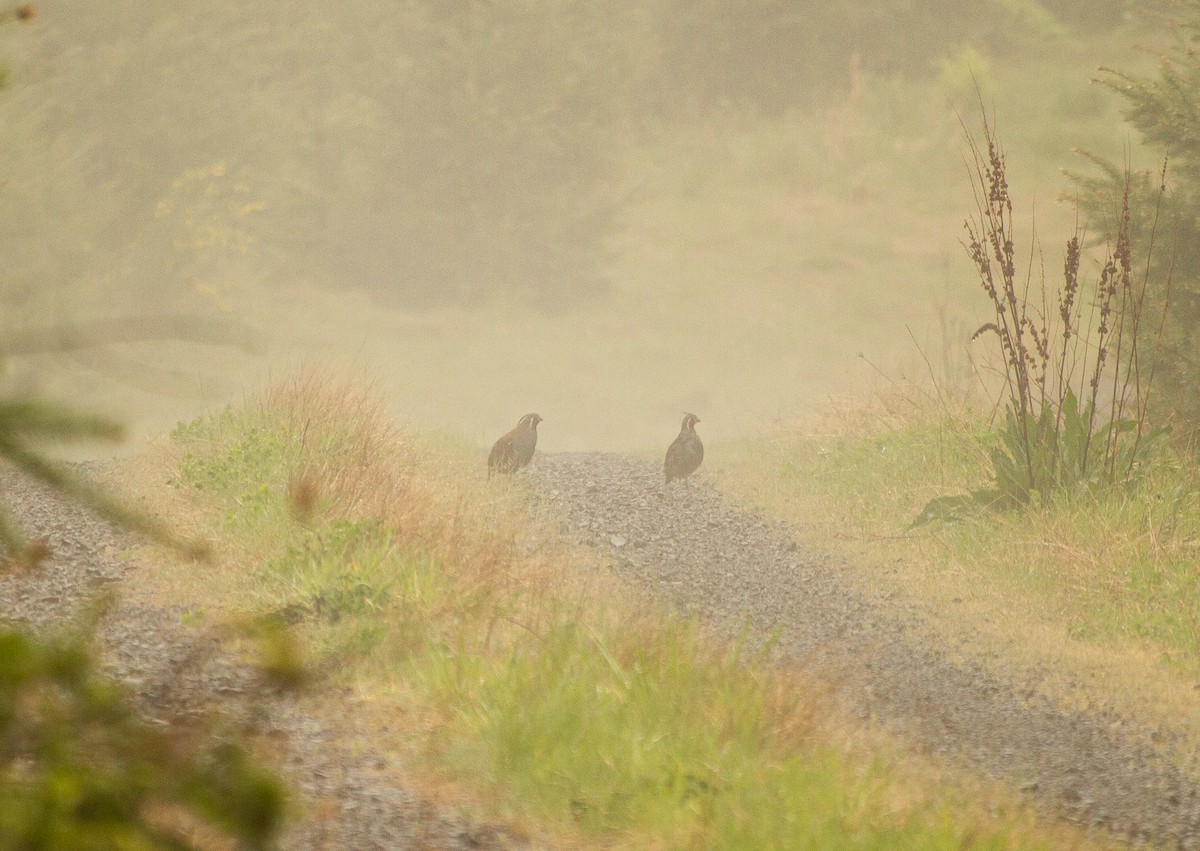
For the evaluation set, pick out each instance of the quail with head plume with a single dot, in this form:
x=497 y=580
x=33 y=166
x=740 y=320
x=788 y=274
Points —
x=514 y=450
x=686 y=452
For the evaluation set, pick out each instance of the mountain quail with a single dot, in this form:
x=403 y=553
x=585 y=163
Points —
x=513 y=451
x=686 y=452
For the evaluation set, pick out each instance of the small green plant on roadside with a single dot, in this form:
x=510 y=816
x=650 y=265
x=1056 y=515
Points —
x=257 y=450
x=1077 y=375
x=340 y=569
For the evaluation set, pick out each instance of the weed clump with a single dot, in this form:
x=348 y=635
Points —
x=1076 y=372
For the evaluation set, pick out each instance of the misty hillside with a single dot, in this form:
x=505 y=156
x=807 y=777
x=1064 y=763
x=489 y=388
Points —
x=688 y=207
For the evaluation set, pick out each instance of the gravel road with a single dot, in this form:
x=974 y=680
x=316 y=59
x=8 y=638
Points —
x=688 y=545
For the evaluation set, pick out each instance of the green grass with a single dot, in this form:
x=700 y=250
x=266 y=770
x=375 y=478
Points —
x=591 y=719
x=666 y=739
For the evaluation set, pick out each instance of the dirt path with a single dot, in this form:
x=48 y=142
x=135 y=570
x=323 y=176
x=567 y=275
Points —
x=699 y=553
x=348 y=796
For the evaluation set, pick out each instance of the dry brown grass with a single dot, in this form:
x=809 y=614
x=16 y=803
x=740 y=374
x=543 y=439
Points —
x=358 y=462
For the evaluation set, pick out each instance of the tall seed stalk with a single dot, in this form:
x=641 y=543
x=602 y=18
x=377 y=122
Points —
x=1063 y=368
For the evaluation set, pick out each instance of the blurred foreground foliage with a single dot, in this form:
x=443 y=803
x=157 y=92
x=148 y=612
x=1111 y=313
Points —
x=24 y=422
x=80 y=769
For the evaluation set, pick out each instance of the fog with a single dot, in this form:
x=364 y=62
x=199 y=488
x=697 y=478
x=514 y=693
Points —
x=606 y=213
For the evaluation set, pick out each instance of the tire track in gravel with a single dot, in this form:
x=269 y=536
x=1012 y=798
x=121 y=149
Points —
x=691 y=547
x=349 y=796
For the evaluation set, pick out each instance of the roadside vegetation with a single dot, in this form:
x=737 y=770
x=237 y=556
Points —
x=554 y=699
x=1047 y=503
x=80 y=767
